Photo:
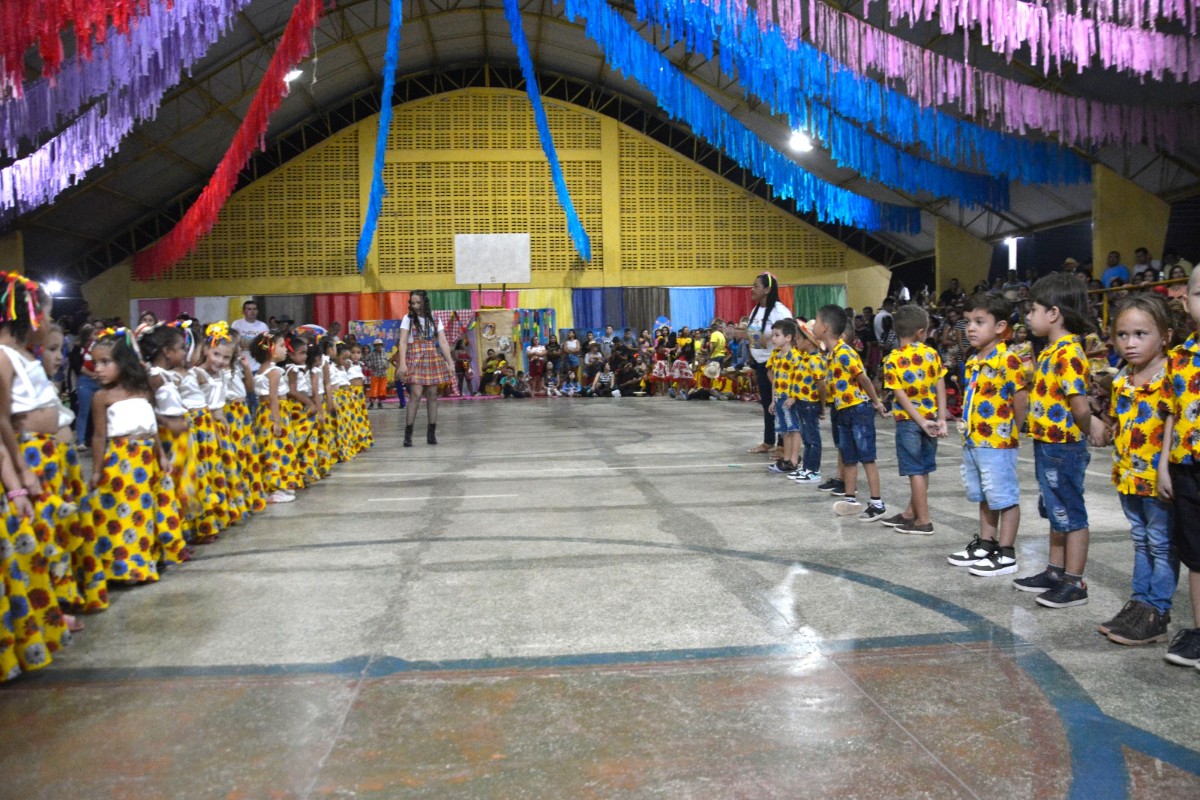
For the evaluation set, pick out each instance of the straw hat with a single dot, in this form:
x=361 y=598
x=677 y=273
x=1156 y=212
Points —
x=806 y=328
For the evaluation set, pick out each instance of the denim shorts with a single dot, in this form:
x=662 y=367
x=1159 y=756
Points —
x=1185 y=533
x=856 y=434
x=1060 y=469
x=916 y=450
x=990 y=475
x=787 y=420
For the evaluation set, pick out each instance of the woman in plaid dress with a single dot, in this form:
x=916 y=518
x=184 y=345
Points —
x=425 y=363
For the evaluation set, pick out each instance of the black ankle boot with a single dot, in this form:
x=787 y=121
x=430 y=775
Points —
x=408 y=435
x=430 y=436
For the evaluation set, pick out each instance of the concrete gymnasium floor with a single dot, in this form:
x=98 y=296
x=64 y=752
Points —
x=604 y=598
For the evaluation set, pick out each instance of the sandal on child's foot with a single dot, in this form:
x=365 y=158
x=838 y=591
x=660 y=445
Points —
x=73 y=625
x=762 y=448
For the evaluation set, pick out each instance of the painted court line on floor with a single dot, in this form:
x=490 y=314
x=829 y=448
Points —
x=441 y=497
x=508 y=473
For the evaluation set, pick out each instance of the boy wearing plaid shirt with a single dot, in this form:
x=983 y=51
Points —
x=996 y=398
x=915 y=375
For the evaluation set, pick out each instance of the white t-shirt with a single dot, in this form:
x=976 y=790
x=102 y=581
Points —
x=879 y=315
x=422 y=329
x=760 y=323
x=248 y=331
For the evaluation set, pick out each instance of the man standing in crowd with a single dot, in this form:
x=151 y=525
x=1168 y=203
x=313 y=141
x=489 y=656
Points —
x=249 y=327
x=1115 y=270
x=889 y=305
x=1142 y=262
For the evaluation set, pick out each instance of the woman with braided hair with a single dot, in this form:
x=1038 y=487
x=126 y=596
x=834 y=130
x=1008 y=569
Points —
x=766 y=312
x=422 y=341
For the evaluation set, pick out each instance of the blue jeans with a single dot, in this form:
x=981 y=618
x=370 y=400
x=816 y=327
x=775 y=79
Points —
x=856 y=434
x=85 y=388
x=1060 y=469
x=1155 y=564
x=916 y=450
x=990 y=474
x=810 y=434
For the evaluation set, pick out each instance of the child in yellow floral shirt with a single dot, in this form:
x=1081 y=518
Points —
x=1179 y=477
x=1059 y=423
x=854 y=399
x=1138 y=413
x=914 y=373
x=784 y=367
x=810 y=400
x=996 y=396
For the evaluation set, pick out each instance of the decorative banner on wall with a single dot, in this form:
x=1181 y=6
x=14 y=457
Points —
x=391 y=58
x=579 y=237
x=367 y=331
x=627 y=52
x=294 y=45
x=187 y=31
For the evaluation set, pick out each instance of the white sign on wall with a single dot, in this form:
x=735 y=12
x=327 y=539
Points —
x=491 y=258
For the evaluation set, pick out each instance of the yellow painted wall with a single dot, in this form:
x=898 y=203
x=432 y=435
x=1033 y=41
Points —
x=958 y=254
x=108 y=293
x=12 y=253
x=470 y=161
x=1124 y=217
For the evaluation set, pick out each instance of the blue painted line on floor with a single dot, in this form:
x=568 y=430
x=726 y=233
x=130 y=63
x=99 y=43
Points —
x=1095 y=739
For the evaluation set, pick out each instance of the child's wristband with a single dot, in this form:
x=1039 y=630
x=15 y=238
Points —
x=15 y=493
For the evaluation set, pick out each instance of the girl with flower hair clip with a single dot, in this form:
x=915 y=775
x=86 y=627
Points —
x=302 y=413
x=322 y=430
x=213 y=517
x=29 y=421
x=127 y=535
x=218 y=353
x=277 y=450
x=239 y=384
x=341 y=402
x=164 y=350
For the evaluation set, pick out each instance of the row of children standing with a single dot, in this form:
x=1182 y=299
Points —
x=177 y=457
x=1153 y=427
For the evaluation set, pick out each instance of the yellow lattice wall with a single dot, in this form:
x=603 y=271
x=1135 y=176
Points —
x=299 y=222
x=676 y=218
x=470 y=161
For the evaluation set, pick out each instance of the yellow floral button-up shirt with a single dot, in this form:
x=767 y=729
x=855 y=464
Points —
x=844 y=368
x=1062 y=372
x=785 y=368
x=812 y=372
x=1183 y=394
x=993 y=381
x=914 y=369
x=1141 y=413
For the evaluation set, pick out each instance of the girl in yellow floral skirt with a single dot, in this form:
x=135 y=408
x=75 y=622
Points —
x=302 y=415
x=239 y=381
x=127 y=467
x=164 y=348
x=339 y=383
x=323 y=433
x=210 y=482
x=277 y=451
x=218 y=352
x=358 y=399
x=25 y=607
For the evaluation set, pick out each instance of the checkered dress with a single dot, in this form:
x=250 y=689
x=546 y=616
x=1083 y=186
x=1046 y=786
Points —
x=426 y=367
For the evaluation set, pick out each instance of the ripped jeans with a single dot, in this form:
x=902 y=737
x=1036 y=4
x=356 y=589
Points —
x=1060 y=469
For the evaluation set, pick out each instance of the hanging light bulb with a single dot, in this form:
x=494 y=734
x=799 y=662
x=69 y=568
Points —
x=292 y=75
x=800 y=142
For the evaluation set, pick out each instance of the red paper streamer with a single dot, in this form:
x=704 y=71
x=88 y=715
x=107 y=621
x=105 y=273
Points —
x=39 y=24
x=294 y=46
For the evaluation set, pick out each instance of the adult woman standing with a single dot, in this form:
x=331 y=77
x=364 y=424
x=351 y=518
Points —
x=572 y=352
x=767 y=311
x=422 y=339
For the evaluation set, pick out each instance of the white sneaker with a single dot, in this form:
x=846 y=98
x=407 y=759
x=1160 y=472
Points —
x=848 y=508
x=808 y=477
x=616 y=393
x=281 y=497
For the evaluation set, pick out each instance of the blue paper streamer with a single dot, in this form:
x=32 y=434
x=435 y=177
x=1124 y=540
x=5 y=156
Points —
x=789 y=76
x=391 y=59
x=626 y=51
x=583 y=245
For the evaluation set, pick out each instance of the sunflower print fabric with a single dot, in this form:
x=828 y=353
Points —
x=844 y=368
x=784 y=367
x=1141 y=413
x=812 y=373
x=992 y=385
x=1062 y=372
x=24 y=643
x=56 y=519
x=241 y=433
x=1183 y=391
x=210 y=477
x=276 y=454
x=914 y=369
x=124 y=511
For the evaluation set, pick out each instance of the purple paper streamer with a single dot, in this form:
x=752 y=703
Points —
x=140 y=69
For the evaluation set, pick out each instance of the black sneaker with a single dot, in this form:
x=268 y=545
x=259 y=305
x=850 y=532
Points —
x=1064 y=595
x=1106 y=627
x=872 y=513
x=995 y=563
x=976 y=549
x=839 y=490
x=1144 y=625
x=831 y=484
x=781 y=466
x=1039 y=583
x=1185 y=649
x=893 y=521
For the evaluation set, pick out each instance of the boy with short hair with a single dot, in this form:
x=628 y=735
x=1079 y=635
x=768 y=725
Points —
x=810 y=400
x=783 y=365
x=856 y=403
x=996 y=398
x=1060 y=419
x=914 y=373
